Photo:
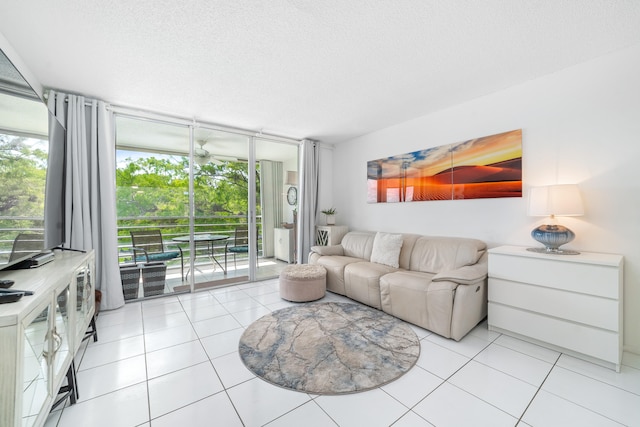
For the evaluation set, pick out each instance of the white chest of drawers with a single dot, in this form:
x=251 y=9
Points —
x=571 y=303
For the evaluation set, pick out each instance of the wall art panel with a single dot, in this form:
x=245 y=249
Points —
x=487 y=167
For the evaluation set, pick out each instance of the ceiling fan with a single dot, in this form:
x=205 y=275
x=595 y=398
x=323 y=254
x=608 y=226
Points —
x=203 y=157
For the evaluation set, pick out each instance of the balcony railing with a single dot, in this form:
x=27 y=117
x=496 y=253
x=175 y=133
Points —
x=10 y=227
x=170 y=227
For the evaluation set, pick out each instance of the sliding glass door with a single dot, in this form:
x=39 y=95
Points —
x=224 y=204
x=221 y=212
x=152 y=199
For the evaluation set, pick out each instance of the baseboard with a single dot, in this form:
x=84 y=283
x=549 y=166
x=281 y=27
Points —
x=631 y=359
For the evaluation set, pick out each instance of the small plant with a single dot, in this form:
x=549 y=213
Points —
x=330 y=215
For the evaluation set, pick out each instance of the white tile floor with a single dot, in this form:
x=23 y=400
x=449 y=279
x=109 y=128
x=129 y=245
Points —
x=174 y=362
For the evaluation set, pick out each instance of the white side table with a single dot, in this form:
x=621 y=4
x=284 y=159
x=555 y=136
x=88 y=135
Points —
x=570 y=303
x=327 y=235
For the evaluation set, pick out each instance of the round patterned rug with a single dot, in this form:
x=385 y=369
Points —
x=329 y=348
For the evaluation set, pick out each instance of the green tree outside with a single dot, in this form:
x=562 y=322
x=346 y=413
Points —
x=152 y=190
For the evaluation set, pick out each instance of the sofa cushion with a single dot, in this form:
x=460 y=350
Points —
x=358 y=244
x=335 y=265
x=436 y=254
x=362 y=282
x=386 y=249
x=408 y=240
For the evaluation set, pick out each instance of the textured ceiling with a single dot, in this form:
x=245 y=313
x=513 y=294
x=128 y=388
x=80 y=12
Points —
x=323 y=69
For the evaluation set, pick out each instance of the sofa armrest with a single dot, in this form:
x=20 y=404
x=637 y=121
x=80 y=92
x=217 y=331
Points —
x=328 y=250
x=466 y=275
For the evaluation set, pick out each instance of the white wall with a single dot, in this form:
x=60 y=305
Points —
x=580 y=125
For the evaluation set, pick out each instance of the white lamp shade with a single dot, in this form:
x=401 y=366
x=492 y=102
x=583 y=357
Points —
x=561 y=200
x=292 y=178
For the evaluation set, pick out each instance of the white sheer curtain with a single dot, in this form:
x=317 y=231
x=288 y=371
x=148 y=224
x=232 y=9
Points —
x=90 y=198
x=308 y=200
x=271 y=184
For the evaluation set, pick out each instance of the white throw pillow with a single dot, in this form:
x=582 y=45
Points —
x=386 y=249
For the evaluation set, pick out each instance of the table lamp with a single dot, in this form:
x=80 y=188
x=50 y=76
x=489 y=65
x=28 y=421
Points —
x=552 y=201
x=292 y=178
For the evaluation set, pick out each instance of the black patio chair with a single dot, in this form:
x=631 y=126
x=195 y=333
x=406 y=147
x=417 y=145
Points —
x=148 y=246
x=238 y=245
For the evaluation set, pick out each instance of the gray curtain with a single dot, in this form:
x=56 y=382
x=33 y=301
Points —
x=271 y=184
x=90 y=197
x=308 y=198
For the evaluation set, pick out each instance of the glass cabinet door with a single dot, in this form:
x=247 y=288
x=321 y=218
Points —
x=36 y=368
x=84 y=302
x=60 y=333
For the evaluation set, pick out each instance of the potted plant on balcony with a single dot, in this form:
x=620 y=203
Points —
x=330 y=215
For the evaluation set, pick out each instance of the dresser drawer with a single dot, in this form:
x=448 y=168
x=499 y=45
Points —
x=558 y=272
x=589 y=310
x=598 y=343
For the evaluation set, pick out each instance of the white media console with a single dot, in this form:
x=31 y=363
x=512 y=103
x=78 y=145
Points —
x=40 y=335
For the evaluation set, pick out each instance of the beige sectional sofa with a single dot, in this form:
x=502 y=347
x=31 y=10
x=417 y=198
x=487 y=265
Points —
x=437 y=283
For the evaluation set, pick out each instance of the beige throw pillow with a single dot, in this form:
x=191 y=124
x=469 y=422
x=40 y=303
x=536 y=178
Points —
x=386 y=249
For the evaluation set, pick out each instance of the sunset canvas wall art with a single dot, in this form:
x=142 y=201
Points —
x=487 y=167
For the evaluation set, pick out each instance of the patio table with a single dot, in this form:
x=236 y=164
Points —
x=209 y=240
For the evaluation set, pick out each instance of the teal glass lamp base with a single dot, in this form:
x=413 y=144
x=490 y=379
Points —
x=552 y=237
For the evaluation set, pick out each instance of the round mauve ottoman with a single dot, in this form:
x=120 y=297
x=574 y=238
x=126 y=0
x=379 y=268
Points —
x=303 y=282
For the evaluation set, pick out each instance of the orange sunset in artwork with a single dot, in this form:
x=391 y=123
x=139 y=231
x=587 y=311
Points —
x=487 y=167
